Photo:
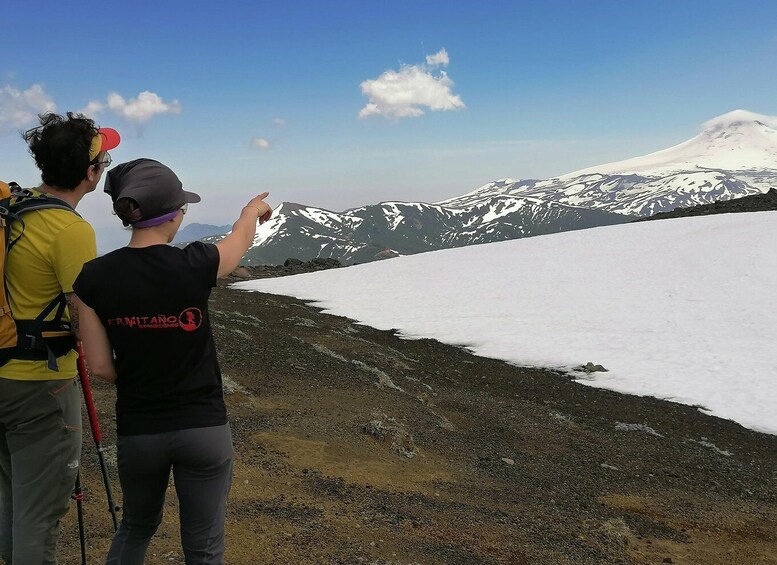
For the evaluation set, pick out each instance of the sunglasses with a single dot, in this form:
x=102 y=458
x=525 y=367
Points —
x=106 y=161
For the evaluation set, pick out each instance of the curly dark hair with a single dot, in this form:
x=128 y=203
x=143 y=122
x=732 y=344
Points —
x=60 y=146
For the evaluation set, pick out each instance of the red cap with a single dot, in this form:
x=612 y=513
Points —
x=111 y=139
x=106 y=140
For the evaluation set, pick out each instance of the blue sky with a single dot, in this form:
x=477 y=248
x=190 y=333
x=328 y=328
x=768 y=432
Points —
x=245 y=97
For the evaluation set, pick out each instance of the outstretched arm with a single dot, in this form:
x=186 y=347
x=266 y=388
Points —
x=233 y=247
x=97 y=348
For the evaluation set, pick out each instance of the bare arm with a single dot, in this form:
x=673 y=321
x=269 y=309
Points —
x=97 y=348
x=233 y=247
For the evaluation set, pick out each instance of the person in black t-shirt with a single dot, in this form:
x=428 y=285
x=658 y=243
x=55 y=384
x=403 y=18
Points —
x=145 y=327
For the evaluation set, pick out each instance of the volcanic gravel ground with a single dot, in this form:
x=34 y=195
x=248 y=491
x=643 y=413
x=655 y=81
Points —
x=355 y=446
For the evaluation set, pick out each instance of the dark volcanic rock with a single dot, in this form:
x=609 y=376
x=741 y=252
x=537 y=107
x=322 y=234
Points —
x=755 y=203
x=291 y=266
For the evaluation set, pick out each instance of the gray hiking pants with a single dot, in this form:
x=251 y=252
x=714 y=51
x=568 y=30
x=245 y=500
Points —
x=201 y=461
x=40 y=448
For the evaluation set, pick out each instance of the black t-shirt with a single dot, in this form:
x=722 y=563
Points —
x=153 y=302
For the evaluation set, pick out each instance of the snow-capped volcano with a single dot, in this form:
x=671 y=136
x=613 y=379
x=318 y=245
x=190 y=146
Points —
x=734 y=155
x=736 y=141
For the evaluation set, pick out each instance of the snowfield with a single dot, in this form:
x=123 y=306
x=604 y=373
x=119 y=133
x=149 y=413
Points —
x=680 y=309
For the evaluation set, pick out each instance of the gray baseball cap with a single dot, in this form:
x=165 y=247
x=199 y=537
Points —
x=155 y=188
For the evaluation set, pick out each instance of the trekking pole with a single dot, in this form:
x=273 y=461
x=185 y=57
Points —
x=78 y=496
x=98 y=438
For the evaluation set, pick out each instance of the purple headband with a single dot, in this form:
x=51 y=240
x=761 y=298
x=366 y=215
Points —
x=158 y=221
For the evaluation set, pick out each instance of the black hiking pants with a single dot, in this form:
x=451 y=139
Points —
x=201 y=462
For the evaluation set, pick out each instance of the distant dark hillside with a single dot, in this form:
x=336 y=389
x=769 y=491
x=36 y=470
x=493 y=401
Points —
x=754 y=203
x=193 y=232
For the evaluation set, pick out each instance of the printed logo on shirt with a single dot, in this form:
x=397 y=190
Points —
x=188 y=320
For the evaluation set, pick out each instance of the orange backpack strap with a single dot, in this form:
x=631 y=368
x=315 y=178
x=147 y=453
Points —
x=7 y=325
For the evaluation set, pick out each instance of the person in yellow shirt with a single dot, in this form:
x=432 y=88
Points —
x=40 y=405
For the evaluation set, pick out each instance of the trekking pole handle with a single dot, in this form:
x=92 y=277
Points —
x=87 y=390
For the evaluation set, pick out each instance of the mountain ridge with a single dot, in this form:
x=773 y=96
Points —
x=734 y=155
x=389 y=229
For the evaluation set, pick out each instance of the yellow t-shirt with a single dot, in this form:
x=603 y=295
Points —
x=44 y=262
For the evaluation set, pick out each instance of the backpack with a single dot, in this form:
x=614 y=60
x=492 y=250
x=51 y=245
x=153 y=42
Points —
x=38 y=339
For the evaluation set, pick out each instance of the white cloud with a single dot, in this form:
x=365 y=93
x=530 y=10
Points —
x=734 y=116
x=20 y=108
x=143 y=108
x=260 y=143
x=439 y=58
x=280 y=122
x=404 y=93
x=92 y=109
x=140 y=110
